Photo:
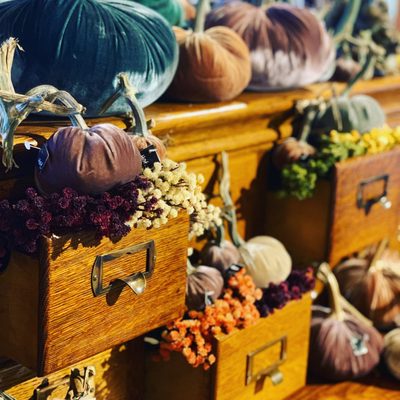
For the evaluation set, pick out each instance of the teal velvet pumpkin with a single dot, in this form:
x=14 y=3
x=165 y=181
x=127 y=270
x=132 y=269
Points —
x=359 y=112
x=171 y=10
x=80 y=46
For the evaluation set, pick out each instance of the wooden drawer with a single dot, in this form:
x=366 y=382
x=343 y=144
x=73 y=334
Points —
x=119 y=376
x=241 y=358
x=51 y=315
x=344 y=215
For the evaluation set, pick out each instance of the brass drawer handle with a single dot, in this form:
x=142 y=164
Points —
x=272 y=370
x=136 y=282
x=381 y=199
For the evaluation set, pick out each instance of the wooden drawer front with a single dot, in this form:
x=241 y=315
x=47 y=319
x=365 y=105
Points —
x=75 y=325
x=226 y=380
x=262 y=343
x=360 y=181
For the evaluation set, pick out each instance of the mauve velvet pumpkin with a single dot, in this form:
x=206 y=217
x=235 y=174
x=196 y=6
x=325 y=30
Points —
x=81 y=45
x=391 y=354
x=89 y=161
x=341 y=347
x=203 y=280
x=291 y=150
x=220 y=256
x=288 y=45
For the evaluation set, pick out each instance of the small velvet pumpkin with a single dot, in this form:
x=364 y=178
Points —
x=373 y=287
x=266 y=260
x=341 y=347
x=88 y=160
x=346 y=68
x=80 y=46
x=214 y=65
x=290 y=151
x=391 y=353
x=203 y=282
x=288 y=45
x=220 y=253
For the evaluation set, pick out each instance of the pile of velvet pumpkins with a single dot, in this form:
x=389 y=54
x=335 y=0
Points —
x=81 y=46
x=361 y=327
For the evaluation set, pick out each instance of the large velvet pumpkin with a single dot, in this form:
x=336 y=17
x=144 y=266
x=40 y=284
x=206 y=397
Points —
x=288 y=46
x=214 y=65
x=80 y=46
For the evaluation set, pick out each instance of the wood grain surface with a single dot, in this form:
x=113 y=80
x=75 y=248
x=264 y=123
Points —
x=175 y=379
x=352 y=228
x=119 y=375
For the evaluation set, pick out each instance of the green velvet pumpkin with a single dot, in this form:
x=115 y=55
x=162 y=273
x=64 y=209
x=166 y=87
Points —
x=359 y=112
x=171 y=10
x=80 y=46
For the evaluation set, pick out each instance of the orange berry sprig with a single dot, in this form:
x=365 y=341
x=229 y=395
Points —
x=192 y=336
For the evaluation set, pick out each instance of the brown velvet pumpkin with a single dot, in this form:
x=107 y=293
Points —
x=202 y=283
x=341 y=346
x=220 y=253
x=140 y=135
x=289 y=47
x=88 y=160
x=290 y=151
x=346 y=69
x=373 y=287
x=214 y=65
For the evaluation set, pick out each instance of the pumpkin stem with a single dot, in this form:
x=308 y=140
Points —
x=369 y=62
x=202 y=8
x=126 y=90
x=334 y=292
x=220 y=235
x=306 y=129
x=383 y=244
x=224 y=187
x=349 y=17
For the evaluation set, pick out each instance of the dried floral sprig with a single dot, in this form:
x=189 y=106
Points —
x=177 y=189
x=192 y=336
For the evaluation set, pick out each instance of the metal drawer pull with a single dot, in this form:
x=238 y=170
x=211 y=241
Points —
x=271 y=371
x=381 y=199
x=136 y=282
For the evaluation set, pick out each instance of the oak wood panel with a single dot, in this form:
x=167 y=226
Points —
x=175 y=379
x=352 y=229
x=119 y=374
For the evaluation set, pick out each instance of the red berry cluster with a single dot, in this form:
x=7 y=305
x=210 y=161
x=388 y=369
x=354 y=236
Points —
x=192 y=336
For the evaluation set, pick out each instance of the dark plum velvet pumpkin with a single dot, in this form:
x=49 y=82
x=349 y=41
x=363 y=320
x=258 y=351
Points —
x=80 y=46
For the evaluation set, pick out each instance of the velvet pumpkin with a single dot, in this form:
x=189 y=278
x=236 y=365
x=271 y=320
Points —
x=289 y=47
x=291 y=150
x=88 y=160
x=341 y=347
x=391 y=353
x=176 y=12
x=220 y=253
x=214 y=65
x=373 y=287
x=202 y=283
x=80 y=46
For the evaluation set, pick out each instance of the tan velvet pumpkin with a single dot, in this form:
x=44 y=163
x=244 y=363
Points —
x=88 y=160
x=373 y=287
x=289 y=47
x=214 y=65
